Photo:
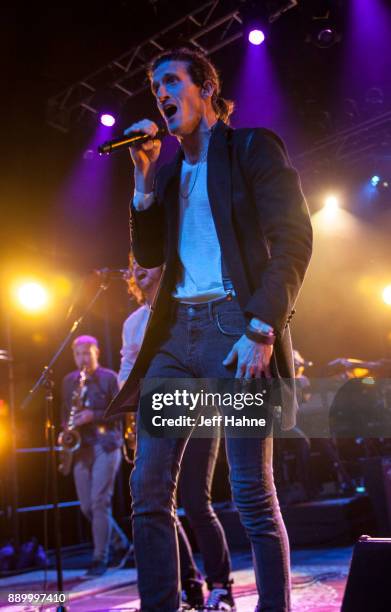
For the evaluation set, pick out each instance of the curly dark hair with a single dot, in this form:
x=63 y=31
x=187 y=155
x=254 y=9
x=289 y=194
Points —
x=200 y=69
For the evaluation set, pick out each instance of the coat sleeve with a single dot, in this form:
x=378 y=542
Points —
x=147 y=233
x=285 y=222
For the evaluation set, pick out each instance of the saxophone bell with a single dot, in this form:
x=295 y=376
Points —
x=69 y=440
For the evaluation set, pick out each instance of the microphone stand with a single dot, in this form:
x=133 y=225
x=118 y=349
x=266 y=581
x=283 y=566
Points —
x=45 y=380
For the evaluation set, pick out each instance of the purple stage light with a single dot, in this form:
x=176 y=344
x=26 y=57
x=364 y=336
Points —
x=107 y=120
x=256 y=37
x=327 y=37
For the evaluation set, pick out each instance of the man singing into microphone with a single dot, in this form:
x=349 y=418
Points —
x=228 y=219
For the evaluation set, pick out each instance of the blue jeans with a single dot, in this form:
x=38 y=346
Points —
x=194 y=487
x=199 y=338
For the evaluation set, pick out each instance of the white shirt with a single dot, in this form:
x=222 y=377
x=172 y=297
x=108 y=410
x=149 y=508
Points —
x=198 y=245
x=133 y=331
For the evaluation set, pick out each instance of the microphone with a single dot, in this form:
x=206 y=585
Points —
x=112 y=272
x=132 y=138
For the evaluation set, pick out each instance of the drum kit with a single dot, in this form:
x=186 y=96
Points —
x=345 y=416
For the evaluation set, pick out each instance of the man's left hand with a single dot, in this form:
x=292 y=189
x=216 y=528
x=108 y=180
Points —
x=253 y=358
x=83 y=417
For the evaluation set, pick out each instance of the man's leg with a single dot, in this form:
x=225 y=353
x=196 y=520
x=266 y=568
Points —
x=188 y=568
x=195 y=484
x=254 y=493
x=119 y=541
x=153 y=488
x=251 y=472
x=82 y=466
x=104 y=470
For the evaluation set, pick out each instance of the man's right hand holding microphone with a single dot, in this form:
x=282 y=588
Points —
x=145 y=155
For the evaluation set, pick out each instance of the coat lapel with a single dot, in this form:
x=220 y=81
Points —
x=219 y=181
x=169 y=196
x=219 y=185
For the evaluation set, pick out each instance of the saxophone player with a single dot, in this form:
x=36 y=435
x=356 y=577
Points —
x=97 y=460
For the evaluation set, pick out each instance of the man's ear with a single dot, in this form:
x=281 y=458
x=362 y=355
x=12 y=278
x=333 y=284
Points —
x=207 y=90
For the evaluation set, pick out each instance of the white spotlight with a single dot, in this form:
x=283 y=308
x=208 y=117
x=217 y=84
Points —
x=331 y=204
x=386 y=294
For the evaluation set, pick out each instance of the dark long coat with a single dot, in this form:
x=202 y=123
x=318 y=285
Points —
x=265 y=235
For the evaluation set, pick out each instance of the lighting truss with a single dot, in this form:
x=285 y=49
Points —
x=348 y=146
x=277 y=7
x=208 y=28
x=212 y=26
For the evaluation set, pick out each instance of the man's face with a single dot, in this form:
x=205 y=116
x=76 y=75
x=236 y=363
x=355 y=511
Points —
x=146 y=279
x=86 y=356
x=178 y=98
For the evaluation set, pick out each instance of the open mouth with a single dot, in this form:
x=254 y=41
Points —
x=141 y=276
x=170 y=110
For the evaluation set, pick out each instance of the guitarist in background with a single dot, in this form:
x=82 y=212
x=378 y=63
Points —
x=197 y=470
x=96 y=462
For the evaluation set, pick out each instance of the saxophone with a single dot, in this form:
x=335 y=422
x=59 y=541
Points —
x=69 y=439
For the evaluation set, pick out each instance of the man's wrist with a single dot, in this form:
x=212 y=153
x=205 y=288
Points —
x=144 y=183
x=260 y=332
x=261 y=326
x=142 y=201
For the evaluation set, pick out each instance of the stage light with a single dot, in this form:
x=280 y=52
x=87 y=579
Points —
x=107 y=119
x=375 y=180
x=331 y=205
x=323 y=30
x=5 y=434
x=326 y=37
x=4 y=437
x=32 y=296
x=4 y=409
x=386 y=295
x=62 y=286
x=256 y=37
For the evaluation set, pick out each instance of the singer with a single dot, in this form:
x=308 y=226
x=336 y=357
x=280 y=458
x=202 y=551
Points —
x=229 y=221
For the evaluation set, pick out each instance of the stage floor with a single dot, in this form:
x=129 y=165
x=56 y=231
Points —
x=319 y=578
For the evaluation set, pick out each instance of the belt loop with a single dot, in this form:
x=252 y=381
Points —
x=210 y=310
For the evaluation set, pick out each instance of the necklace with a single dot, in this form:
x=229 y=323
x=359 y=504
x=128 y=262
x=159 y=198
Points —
x=186 y=196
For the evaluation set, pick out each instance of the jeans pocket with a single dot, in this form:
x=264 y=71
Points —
x=230 y=323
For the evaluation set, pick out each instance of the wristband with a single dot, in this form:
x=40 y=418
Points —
x=258 y=336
